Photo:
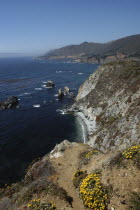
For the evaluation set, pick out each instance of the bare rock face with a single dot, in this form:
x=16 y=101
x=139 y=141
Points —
x=10 y=103
x=111 y=98
x=50 y=84
x=60 y=148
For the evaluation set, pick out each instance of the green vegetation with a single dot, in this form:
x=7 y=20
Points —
x=131 y=154
x=8 y=191
x=135 y=201
x=78 y=177
x=36 y=204
x=55 y=190
x=91 y=153
x=92 y=192
x=117 y=161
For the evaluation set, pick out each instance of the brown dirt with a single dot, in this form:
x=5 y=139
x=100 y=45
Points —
x=120 y=181
x=66 y=167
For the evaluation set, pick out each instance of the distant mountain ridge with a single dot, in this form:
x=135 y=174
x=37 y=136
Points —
x=129 y=46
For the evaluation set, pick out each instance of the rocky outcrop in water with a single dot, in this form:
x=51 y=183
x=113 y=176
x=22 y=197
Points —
x=10 y=103
x=50 y=84
x=66 y=90
x=110 y=100
x=60 y=93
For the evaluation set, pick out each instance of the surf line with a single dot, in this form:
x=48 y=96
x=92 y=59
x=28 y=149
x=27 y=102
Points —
x=84 y=127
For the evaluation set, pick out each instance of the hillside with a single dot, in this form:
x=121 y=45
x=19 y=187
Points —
x=110 y=100
x=55 y=181
x=98 y=52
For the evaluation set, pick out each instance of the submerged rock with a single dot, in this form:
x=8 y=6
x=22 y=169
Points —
x=50 y=84
x=10 y=103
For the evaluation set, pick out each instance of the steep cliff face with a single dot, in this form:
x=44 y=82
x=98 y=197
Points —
x=110 y=99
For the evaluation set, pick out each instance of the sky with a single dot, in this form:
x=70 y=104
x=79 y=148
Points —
x=33 y=27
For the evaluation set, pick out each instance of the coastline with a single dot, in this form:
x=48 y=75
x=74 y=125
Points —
x=84 y=126
x=87 y=125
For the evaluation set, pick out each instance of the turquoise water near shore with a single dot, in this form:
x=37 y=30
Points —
x=36 y=127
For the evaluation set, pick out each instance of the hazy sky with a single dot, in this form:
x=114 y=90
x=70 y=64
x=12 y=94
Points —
x=35 y=26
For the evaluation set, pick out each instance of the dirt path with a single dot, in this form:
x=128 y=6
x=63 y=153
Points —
x=66 y=167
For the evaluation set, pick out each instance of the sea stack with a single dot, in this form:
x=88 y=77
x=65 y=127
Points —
x=60 y=93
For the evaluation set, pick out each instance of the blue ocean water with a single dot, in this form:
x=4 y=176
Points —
x=36 y=127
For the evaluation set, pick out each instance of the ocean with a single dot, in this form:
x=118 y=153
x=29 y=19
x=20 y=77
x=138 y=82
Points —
x=33 y=129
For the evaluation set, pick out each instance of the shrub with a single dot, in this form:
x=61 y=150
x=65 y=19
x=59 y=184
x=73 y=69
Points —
x=134 y=154
x=135 y=201
x=38 y=205
x=60 y=192
x=39 y=169
x=86 y=155
x=92 y=152
x=78 y=177
x=117 y=160
x=25 y=197
x=92 y=192
x=136 y=160
x=8 y=191
x=131 y=152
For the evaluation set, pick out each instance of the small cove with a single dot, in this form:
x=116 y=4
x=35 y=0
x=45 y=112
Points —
x=36 y=127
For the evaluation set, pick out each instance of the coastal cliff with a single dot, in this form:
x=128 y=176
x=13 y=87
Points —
x=110 y=101
x=103 y=172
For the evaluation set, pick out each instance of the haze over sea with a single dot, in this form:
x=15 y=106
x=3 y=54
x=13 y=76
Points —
x=37 y=126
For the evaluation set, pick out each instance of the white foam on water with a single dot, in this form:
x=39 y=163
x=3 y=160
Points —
x=38 y=88
x=80 y=73
x=23 y=94
x=83 y=129
x=61 y=111
x=55 y=95
x=47 y=87
x=59 y=71
x=36 y=105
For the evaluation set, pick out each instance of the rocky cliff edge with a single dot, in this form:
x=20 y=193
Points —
x=110 y=101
